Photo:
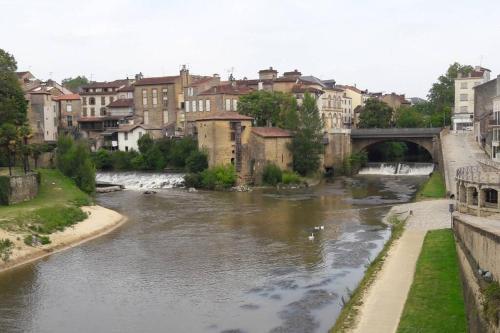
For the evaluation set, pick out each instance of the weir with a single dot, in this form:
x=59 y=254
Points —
x=141 y=180
x=401 y=168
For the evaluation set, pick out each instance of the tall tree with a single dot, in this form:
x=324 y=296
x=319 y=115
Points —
x=75 y=83
x=375 y=114
x=409 y=117
x=8 y=142
x=307 y=145
x=13 y=105
x=442 y=92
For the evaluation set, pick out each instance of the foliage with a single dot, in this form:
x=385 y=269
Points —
x=50 y=219
x=122 y=160
x=4 y=190
x=409 y=117
x=307 y=145
x=491 y=303
x=180 y=151
x=196 y=162
x=36 y=150
x=389 y=151
x=6 y=246
x=13 y=105
x=354 y=162
x=375 y=114
x=102 y=159
x=75 y=83
x=290 y=177
x=442 y=93
x=154 y=159
x=270 y=109
x=435 y=301
x=145 y=143
x=272 y=174
x=433 y=188
x=35 y=239
x=192 y=180
x=74 y=160
x=219 y=177
x=9 y=138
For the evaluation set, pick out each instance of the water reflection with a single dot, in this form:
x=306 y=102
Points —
x=210 y=262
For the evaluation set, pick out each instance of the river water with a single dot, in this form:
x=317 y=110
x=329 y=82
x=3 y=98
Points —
x=211 y=262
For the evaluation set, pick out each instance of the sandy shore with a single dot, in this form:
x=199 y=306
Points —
x=100 y=222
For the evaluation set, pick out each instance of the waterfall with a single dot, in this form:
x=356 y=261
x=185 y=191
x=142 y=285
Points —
x=141 y=180
x=403 y=168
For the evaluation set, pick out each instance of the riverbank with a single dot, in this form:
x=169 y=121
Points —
x=433 y=188
x=99 y=222
x=381 y=304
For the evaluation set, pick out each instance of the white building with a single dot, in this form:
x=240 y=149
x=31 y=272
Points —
x=463 y=111
x=128 y=135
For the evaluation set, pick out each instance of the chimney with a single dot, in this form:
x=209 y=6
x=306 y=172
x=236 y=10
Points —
x=268 y=74
x=184 y=74
x=293 y=74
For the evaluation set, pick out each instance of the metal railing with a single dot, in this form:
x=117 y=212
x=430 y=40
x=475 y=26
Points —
x=475 y=174
x=490 y=163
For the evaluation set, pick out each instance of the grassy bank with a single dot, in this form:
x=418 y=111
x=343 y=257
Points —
x=433 y=188
x=349 y=312
x=435 y=302
x=55 y=207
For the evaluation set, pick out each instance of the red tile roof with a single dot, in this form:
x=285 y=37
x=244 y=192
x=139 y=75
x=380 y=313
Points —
x=271 y=132
x=129 y=88
x=350 y=88
x=122 y=103
x=201 y=80
x=68 y=97
x=226 y=115
x=300 y=88
x=148 y=81
x=228 y=89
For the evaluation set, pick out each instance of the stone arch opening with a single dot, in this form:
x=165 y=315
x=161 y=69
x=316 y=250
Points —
x=397 y=150
x=490 y=197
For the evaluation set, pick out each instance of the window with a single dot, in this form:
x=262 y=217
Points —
x=144 y=97
x=69 y=121
x=146 y=117
x=111 y=99
x=200 y=105
x=155 y=96
x=193 y=106
x=84 y=110
x=103 y=100
x=233 y=136
x=103 y=111
x=207 y=105
x=164 y=93
x=463 y=85
x=190 y=91
x=126 y=136
x=69 y=107
x=464 y=97
x=463 y=108
x=228 y=105
x=165 y=116
x=84 y=100
x=126 y=148
x=187 y=104
x=235 y=104
x=92 y=112
x=92 y=101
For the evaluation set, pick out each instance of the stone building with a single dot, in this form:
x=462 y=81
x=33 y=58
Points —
x=43 y=116
x=331 y=108
x=463 y=110
x=70 y=109
x=196 y=106
x=487 y=117
x=395 y=101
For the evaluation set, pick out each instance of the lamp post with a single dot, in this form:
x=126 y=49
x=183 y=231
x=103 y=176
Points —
x=451 y=209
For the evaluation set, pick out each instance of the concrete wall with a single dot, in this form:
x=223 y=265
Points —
x=22 y=188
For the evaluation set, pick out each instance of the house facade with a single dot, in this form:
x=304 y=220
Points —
x=487 y=117
x=70 y=109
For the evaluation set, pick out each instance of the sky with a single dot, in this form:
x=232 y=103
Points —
x=387 y=45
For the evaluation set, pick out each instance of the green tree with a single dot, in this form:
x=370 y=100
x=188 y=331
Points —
x=74 y=84
x=180 y=151
x=8 y=142
x=442 y=92
x=272 y=174
x=409 y=117
x=36 y=151
x=375 y=114
x=13 y=105
x=196 y=162
x=307 y=145
x=145 y=143
x=102 y=159
x=270 y=109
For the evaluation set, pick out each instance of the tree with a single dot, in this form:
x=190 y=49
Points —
x=409 y=117
x=442 y=93
x=74 y=84
x=307 y=145
x=8 y=142
x=196 y=162
x=181 y=150
x=375 y=114
x=270 y=109
x=145 y=143
x=36 y=151
x=13 y=105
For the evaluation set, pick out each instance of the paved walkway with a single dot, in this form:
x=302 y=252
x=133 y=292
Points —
x=459 y=150
x=384 y=301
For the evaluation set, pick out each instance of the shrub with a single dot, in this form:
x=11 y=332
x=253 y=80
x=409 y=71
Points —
x=102 y=159
x=181 y=150
x=354 y=162
x=272 y=174
x=138 y=163
x=290 y=177
x=121 y=160
x=219 y=177
x=192 y=180
x=6 y=246
x=145 y=143
x=57 y=218
x=154 y=159
x=32 y=240
x=196 y=162
x=28 y=240
x=74 y=161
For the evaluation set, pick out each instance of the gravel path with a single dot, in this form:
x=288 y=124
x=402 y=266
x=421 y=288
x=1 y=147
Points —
x=384 y=301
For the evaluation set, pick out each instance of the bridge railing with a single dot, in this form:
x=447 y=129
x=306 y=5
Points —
x=475 y=174
x=374 y=132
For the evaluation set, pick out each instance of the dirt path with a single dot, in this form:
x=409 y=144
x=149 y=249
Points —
x=384 y=301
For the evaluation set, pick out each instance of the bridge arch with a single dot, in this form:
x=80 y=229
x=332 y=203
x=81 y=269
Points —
x=368 y=144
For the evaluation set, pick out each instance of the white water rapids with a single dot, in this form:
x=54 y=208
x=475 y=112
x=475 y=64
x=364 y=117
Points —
x=403 y=168
x=141 y=180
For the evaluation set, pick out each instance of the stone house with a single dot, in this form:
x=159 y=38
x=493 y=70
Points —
x=129 y=135
x=43 y=116
x=70 y=109
x=196 y=106
x=487 y=117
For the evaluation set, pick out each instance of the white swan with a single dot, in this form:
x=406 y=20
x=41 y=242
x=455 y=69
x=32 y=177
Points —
x=311 y=237
x=322 y=227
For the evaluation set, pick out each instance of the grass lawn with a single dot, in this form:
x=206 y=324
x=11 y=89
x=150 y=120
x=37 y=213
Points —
x=433 y=188
x=56 y=205
x=435 y=302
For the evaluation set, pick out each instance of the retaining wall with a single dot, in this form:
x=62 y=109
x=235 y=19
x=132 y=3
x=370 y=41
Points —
x=16 y=189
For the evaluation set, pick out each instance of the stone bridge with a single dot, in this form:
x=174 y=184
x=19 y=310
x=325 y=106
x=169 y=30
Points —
x=428 y=138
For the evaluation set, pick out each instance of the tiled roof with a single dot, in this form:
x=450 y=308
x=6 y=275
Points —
x=68 y=97
x=129 y=88
x=300 y=88
x=156 y=80
x=229 y=89
x=271 y=132
x=112 y=84
x=201 y=80
x=21 y=74
x=122 y=103
x=350 y=88
x=226 y=115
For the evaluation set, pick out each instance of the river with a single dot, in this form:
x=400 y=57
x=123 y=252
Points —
x=211 y=262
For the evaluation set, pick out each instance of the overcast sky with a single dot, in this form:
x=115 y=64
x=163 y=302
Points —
x=385 y=45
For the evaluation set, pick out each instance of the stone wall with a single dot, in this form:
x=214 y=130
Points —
x=20 y=188
x=337 y=149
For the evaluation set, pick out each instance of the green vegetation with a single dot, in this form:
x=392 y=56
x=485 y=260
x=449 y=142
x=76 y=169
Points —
x=409 y=117
x=74 y=84
x=55 y=207
x=13 y=105
x=197 y=161
x=272 y=175
x=219 y=177
x=433 y=188
x=491 y=303
x=73 y=159
x=33 y=240
x=347 y=316
x=375 y=114
x=435 y=302
x=290 y=177
x=6 y=246
x=354 y=162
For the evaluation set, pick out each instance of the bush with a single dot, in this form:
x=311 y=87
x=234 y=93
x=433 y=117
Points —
x=74 y=161
x=181 y=150
x=354 y=162
x=6 y=246
x=102 y=159
x=290 y=177
x=219 y=177
x=121 y=160
x=192 y=180
x=57 y=218
x=196 y=162
x=272 y=174
x=33 y=240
